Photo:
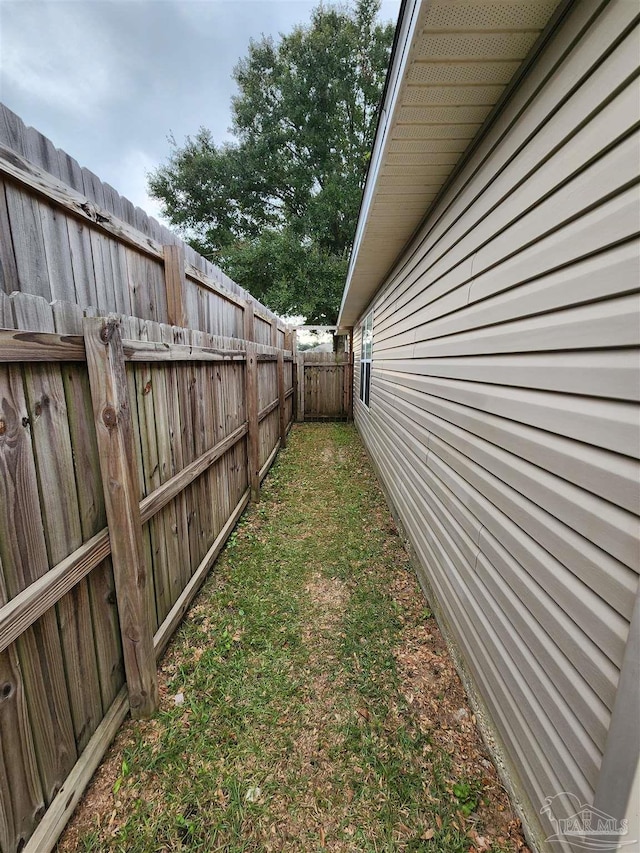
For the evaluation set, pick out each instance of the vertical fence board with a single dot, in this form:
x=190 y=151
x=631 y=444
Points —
x=79 y=238
x=198 y=420
x=28 y=242
x=21 y=800
x=175 y=284
x=68 y=320
x=100 y=250
x=147 y=419
x=248 y=321
x=49 y=418
x=24 y=559
x=183 y=374
x=168 y=517
x=177 y=458
x=8 y=268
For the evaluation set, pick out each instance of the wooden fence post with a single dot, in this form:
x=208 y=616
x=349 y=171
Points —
x=300 y=363
x=294 y=382
x=175 y=284
x=352 y=366
x=289 y=337
x=248 y=323
x=274 y=332
x=253 y=434
x=345 y=385
x=282 y=400
x=114 y=431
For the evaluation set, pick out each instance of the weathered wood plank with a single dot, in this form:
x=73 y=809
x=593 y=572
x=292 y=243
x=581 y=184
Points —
x=270 y=407
x=168 y=518
x=105 y=275
x=162 y=351
x=8 y=268
x=53 y=226
x=145 y=396
x=270 y=460
x=20 y=171
x=50 y=828
x=175 y=285
x=106 y=196
x=49 y=419
x=208 y=283
x=28 y=242
x=104 y=614
x=27 y=606
x=16 y=346
x=188 y=452
x=201 y=420
x=253 y=439
x=35 y=600
x=301 y=388
x=113 y=428
x=248 y=321
x=24 y=559
x=21 y=800
x=177 y=462
x=130 y=329
x=294 y=389
x=282 y=400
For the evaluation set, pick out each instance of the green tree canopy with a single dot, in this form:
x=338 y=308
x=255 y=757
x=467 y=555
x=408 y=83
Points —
x=277 y=208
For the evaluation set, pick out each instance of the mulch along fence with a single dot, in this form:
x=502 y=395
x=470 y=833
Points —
x=129 y=447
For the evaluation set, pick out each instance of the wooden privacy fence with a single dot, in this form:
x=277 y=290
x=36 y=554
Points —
x=128 y=449
x=325 y=383
x=66 y=235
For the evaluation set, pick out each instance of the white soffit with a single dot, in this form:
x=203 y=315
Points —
x=452 y=63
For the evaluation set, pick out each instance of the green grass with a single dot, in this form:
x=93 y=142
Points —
x=294 y=733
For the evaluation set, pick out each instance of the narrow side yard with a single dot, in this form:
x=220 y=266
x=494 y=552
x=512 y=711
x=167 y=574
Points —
x=308 y=701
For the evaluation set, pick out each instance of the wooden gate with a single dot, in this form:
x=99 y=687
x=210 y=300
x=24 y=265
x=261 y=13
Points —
x=324 y=387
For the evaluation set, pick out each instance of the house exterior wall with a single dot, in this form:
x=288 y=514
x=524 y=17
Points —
x=503 y=416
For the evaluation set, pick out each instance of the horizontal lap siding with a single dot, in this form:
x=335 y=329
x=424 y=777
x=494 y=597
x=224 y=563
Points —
x=504 y=418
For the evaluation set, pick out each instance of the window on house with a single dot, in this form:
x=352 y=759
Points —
x=365 y=357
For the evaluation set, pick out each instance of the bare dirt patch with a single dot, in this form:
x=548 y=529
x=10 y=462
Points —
x=432 y=688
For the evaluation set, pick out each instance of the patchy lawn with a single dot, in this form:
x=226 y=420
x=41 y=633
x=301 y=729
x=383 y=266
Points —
x=308 y=701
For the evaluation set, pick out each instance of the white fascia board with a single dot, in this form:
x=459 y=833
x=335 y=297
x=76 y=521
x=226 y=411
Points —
x=411 y=13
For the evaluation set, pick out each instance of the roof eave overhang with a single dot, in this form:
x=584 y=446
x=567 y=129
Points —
x=451 y=67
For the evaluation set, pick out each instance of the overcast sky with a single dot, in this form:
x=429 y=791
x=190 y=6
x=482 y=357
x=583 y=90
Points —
x=108 y=80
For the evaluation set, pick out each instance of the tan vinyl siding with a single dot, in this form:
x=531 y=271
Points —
x=504 y=418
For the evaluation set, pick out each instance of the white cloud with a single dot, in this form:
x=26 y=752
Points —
x=55 y=53
x=128 y=176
